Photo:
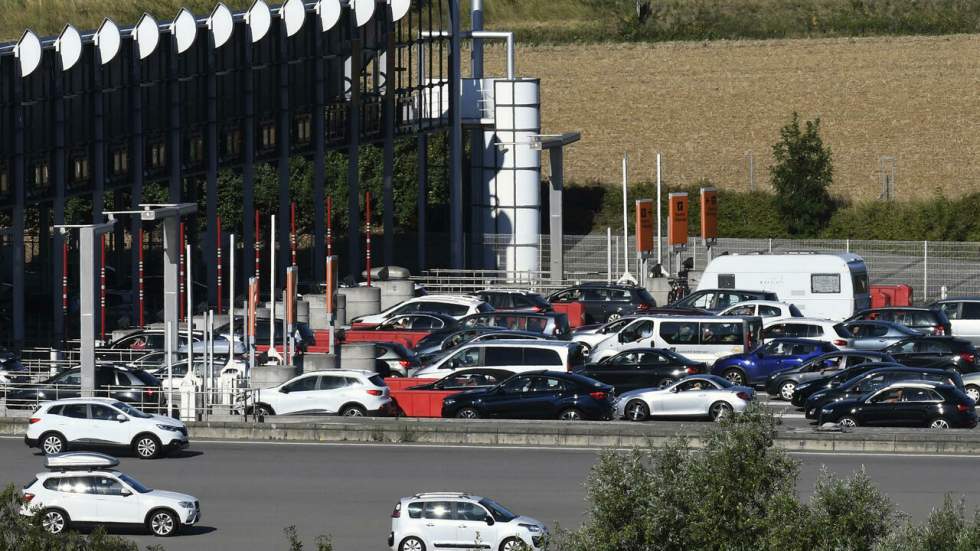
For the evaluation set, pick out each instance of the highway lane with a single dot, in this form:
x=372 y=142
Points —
x=250 y=491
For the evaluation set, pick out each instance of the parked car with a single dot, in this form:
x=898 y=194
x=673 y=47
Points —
x=438 y=342
x=455 y=306
x=591 y=335
x=456 y=520
x=397 y=360
x=149 y=339
x=696 y=396
x=716 y=300
x=753 y=368
x=61 y=425
x=550 y=324
x=535 y=395
x=606 y=301
x=642 y=368
x=876 y=334
x=12 y=370
x=83 y=489
x=407 y=329
x=904 y=404
x=782 y=384
x=702 y=338
x=134 y=387
x=963 y=314
x=517 y=356
x=346 y=392
x=808 y=328
x=303 y=334
x=971 y=385
x=765 y=309
x=927 y=320
x=938 y=352
x=805 y=389
x=518 y=300
x=875 y=380
x=468 y=379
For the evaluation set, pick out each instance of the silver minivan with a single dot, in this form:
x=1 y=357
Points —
x=518 y=356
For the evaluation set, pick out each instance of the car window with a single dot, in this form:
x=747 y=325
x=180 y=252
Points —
x=794 y=311
x=769 y=311
x=465 y=380
x=748 y=310
x=874 y=382
x=329 y=382
x=301 y=385
x=618 y=295
x=653 y=358
x=437 y=510
x=921 y=395
x=517 y=385
x=778 y=348
x=905 y=347
x=594 y=295
x=102 y=413
x=615 y=326
x=467 y=511
x=891 y=396
x=105 y=486
x=571 y=295
x=934 y=346
x=541 y=356
x=695 y=385
x=70 y=484
x=76 y=411
x=814 y=330
x=725 y=300
x=951 y=309
x=776 y=331
x=427 y=322
x=547 y=384
x=721 y=333
x=69 y=378
x=415 y=509
x=626 y=358
x=497 y=300
x=497 y=356
x=802 y=349
x=464 y=358
x=704 y=301
x=55 y=410
x=679 y=332
x=971 y=311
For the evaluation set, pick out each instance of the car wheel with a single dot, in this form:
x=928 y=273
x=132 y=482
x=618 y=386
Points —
x=353 y=410
x=53 y=443
x=586 y=349
x=54 y=521
x=512 y=544
x=570 y=414
x=735 y=376
x=974 y=393
x=637 y=411
x=847 y=422
x=146 y=446
x=411 y=544
x=163 y=523
x=468 y=413
x=613 y=317
x=786 y=390
x=720 y=410
x=940 y=424
x=264 y=410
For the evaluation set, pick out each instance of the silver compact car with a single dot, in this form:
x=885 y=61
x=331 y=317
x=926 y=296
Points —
x=696 y=396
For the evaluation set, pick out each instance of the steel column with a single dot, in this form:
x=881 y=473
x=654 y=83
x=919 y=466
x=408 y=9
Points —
x=555 y=192
x=212 y=175
x=173 y=149
x=354 y=144
x=455 y=143
x=136 y=157
x=248 y=162
x=423 y=198
x=388 y=170
x=319 y=159
x=283 y=135
x=57 y=257
x=17 y=237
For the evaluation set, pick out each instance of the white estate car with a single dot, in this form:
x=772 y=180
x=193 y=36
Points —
x=347 y=392
x=456 y=306
x=82 y=489
x=454 y=520
x=695 y=396
x=765 y=309
x=817 y=329
x=102 y=422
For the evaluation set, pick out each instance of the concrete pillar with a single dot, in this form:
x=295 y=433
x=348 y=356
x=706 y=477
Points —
x=361 y=301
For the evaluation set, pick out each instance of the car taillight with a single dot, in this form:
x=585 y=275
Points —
x=375 y=392
x=150 y=392
x=968 y=357
x=643 y=306
x=962 y=408
x=26 y=498
x=599 y=395
x=840 y=342
x=743 y=395
x=535 y=308
x=693 y=369
x=397 y=513
x=938 y=330
x=35 y=420
x=404 y=363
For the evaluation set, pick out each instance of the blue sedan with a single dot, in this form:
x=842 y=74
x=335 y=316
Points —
x=754 y=368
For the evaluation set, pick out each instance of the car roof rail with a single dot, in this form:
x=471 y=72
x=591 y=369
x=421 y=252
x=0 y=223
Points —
x=80 y=461
x=442 y=494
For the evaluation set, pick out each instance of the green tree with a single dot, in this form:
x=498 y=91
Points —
x=801 y=177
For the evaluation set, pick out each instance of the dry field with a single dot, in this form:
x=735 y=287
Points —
x=704 y=105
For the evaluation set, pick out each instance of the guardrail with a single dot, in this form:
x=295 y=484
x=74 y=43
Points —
x=451 y=281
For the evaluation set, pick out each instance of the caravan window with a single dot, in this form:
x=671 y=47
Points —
x=825 y=283
x=726 y=281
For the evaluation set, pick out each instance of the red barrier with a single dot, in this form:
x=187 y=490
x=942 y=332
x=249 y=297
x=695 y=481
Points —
x=408 y=337
x=416 y=403
x=574 y=310
x=890 y=295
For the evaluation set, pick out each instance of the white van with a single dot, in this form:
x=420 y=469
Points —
x=831 y=286
x=700 y=338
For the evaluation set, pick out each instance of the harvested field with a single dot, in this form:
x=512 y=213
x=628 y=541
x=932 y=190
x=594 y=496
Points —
x=704 y=105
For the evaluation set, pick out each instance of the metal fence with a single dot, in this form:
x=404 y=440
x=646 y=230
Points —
x=933 y=269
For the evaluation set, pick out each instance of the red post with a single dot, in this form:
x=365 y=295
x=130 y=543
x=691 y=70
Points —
x=367 y=230
x=102 y=288
x=219 y=264
x=292 y=231
x=140 y=276
x=180 y=284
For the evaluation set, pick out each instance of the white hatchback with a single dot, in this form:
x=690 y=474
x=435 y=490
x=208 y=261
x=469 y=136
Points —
x=82 y=489
x=454 y=520
x=456 y=306
x=102 y=422
x=347 y=392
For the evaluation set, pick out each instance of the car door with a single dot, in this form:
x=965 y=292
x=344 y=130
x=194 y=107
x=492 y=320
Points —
x=331 y=393
x=472 y=530
x=440 y=526
x=298 y=396
x=881 y=409
x=771 y=358
x=617 y=371
x=508 y=399
x=686 y=398
x=654 y=370
x=77 y=496
x=968 y=323
x=74 y=422
x=115 y=503
x=105 y=427
x=919 y=406
x=594 y=302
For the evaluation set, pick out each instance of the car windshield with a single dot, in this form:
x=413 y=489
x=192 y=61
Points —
x=498 y=511
x=130 y=410
x=134 y=484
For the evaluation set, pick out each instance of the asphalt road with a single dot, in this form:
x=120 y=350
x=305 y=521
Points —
x=251 y=491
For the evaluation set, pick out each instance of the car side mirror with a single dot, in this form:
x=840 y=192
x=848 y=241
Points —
x=489 y=520
x=283 y=391
x=122 y=418
x=125 y=493
x=622 y=337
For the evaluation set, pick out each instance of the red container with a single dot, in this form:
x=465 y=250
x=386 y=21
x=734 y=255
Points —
x=891 y=295
x=575 y=312
x=416 y=403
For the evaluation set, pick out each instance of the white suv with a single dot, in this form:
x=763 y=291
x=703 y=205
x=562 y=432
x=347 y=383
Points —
x=57 y=425
x=456 y=306
x=460 y=521
x=347 y=392
x=81 y=489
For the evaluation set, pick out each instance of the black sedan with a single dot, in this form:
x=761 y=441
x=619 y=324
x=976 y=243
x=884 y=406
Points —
x=806 y=389
x=937 y=352
x=905 y=404
x=874 y=380
x=642 y=368
x=782 y=384
x=536 y=395
x=135 y=387
x=468 y=379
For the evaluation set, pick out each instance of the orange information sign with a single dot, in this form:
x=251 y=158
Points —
x=644 y=225
x=677 y=219
x=709 y=213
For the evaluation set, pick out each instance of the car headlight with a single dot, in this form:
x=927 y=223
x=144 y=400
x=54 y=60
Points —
x=533 y=528
x=168 y=427
x=448 y=401
x=186 y=504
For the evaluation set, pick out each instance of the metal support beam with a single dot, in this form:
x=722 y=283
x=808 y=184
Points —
x=353 y=148
x=555 y=192
x=248 y=162
x=283 y=135
x=136 y=157
x=455 y=142
x=423 y=197
x=59 y=173
x=319 y=161
x=388 y=169
x=17 y=236
x=173 y=149
x=211 y=239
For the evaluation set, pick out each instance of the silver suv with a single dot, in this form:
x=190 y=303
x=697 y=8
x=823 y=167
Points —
x=454 y=520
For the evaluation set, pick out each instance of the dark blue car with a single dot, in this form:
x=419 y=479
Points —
x=754 y=368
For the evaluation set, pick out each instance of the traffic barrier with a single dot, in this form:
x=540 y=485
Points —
x=575 y=312
x=891 y=295
x=416 y=403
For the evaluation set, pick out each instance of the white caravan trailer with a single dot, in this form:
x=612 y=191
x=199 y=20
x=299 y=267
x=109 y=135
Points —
x=831 y=286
